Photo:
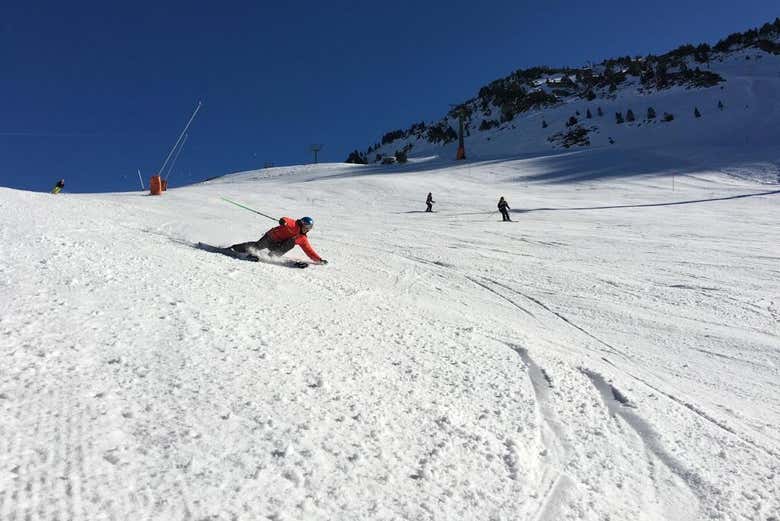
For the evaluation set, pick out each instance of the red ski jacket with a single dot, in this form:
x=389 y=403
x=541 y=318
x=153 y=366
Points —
x=289 y=229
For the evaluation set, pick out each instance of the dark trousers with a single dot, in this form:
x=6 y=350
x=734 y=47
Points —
x=430 y=207
x=275 y=249
x=505 y=215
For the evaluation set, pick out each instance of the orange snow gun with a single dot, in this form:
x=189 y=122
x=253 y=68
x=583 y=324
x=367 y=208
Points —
x=155 y=185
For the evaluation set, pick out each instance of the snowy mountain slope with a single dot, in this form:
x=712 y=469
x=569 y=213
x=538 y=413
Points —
x=748 y=92
x=612 y=354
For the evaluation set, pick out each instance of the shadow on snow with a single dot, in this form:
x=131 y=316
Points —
x=646 y=205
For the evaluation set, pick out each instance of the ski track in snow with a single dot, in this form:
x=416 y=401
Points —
x=689 y=481
x=693 y=408
x=618 y=361
x=556 y=446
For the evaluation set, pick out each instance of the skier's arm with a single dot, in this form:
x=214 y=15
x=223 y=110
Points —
x=303 y=242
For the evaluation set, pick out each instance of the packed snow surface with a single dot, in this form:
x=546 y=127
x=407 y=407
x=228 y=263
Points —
x=613 y=353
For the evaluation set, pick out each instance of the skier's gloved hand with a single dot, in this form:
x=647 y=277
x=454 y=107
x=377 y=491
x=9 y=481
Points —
x=281 y=221
x=323 y=261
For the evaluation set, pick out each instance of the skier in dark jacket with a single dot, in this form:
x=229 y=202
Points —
x=283 y=238
x=429 y=201
x=58 y=187
x=503 y=207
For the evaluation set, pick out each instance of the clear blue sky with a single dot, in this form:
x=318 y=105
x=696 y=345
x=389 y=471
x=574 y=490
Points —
x=92 y=91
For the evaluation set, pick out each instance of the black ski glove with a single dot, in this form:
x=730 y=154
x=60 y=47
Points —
x=323 y=261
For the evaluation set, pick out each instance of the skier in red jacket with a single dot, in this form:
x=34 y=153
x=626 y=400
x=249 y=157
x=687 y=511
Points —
x=283 y=238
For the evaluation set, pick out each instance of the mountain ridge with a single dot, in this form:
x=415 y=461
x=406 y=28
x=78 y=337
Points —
x=538 y=91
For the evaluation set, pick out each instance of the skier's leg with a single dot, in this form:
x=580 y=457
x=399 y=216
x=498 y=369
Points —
x=244 y=247
x=280 y=248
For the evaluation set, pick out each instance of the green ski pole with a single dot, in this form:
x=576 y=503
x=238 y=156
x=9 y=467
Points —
x=250 y=209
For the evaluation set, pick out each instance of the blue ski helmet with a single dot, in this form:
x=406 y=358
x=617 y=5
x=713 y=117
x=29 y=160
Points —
x=306 y=223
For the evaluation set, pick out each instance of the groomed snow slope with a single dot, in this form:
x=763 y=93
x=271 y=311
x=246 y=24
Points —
x=610 y=355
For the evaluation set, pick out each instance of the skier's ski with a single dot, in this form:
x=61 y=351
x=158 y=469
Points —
x=250 y=257
x=228 y=252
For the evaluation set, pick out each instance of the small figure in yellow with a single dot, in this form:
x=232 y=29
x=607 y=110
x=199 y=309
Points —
x=58 y=187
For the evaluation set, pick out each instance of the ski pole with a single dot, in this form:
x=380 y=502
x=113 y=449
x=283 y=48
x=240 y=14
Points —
x=176 y=157
x=160 y=172
x=250 y=209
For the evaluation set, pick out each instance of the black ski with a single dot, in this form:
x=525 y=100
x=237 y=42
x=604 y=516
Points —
x=252 y=258
x=228 y=252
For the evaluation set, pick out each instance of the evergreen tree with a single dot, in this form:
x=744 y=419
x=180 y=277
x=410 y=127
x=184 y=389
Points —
x=648 y=75
x=572 y=121
x=661 y=76
x=544 y=124
x=487 y=124
x=720 y=105
x=618 y=118
x=668 y=117
x=630 y=115
x=696 y=112
x=650 y=113
x=702 y=54
x=356 y=157
x=588 y=114
x=599 y=112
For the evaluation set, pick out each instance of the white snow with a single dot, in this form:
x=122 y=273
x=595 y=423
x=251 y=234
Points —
x=610 y=355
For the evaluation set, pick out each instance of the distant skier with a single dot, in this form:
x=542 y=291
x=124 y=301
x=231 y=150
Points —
x=58 y=187
x=430 y=202
x=283 y=238
x=503 y=207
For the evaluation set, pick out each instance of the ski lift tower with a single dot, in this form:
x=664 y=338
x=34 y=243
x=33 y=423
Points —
x=316 y=148
x=460 y=111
